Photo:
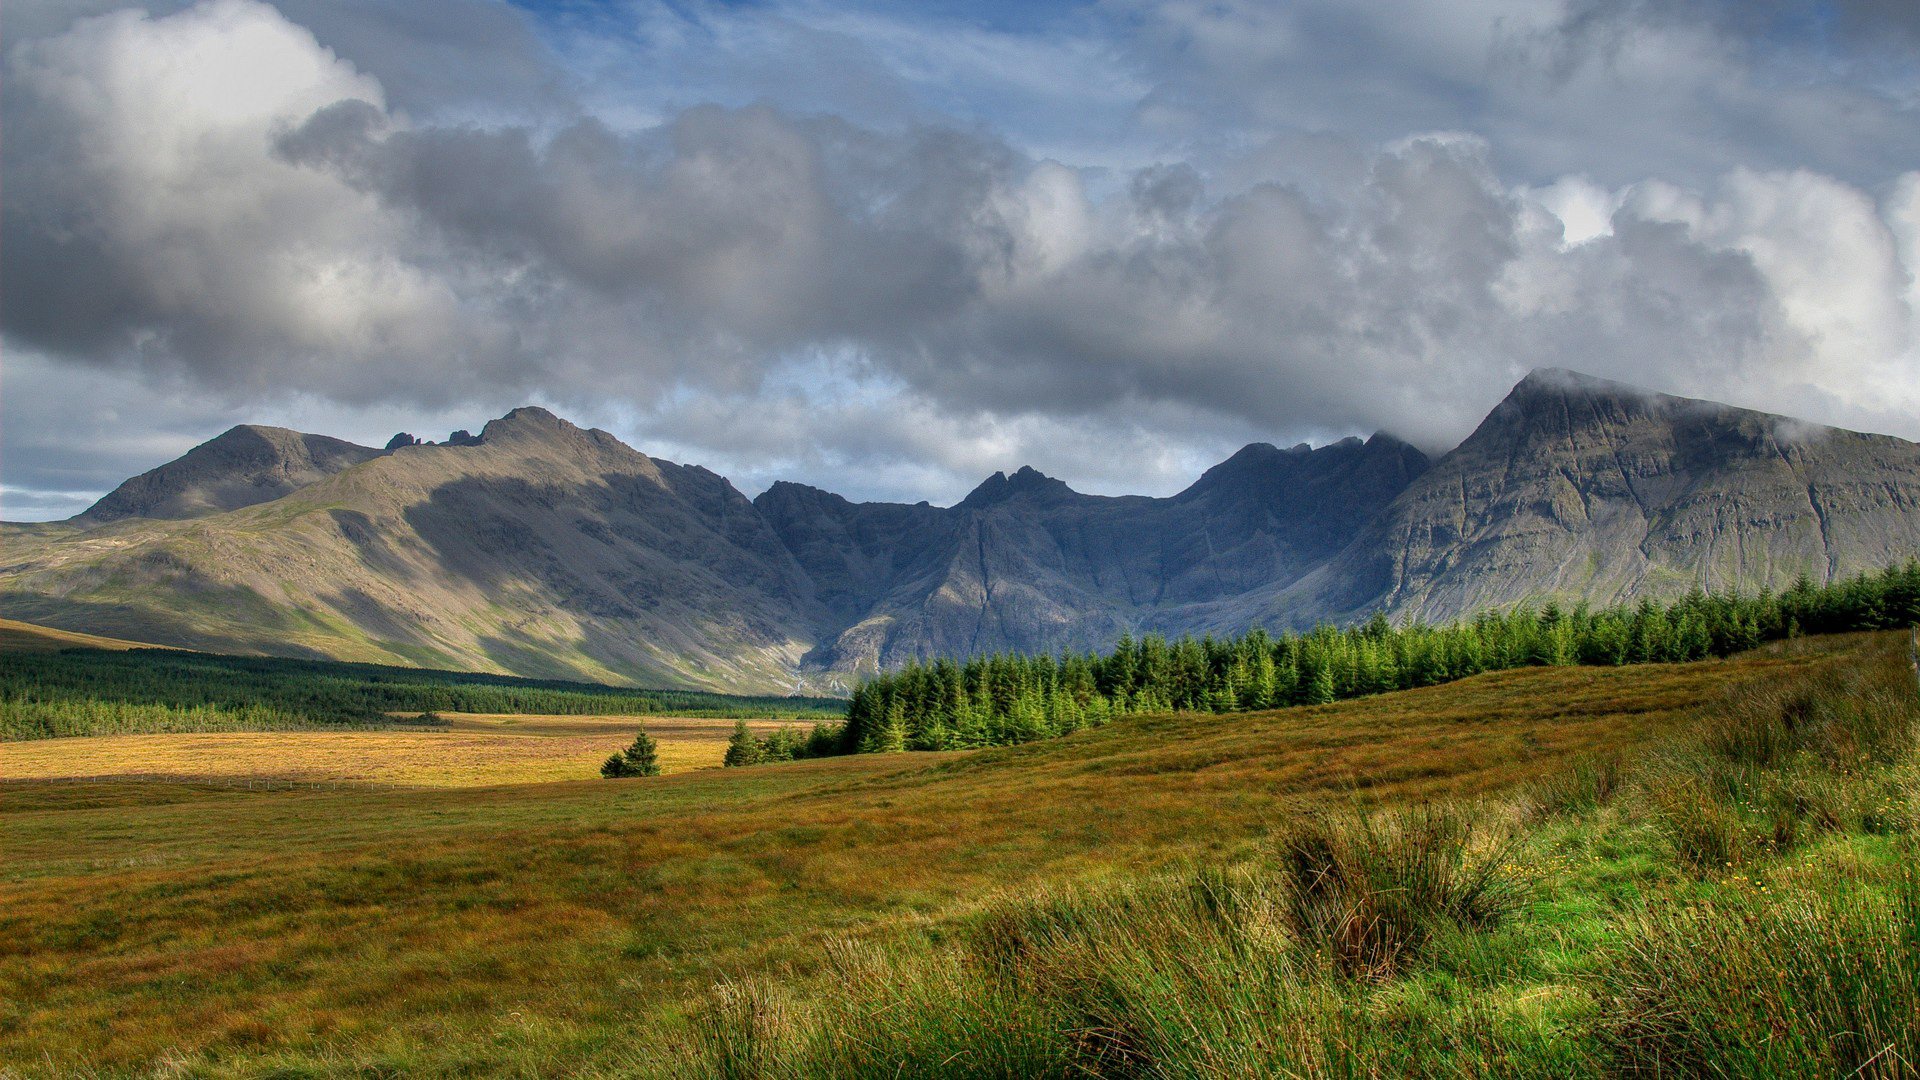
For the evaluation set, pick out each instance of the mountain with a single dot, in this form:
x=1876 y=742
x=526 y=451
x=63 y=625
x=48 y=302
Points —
x=246 y=465
x=540 y=548
x=537 y=548
x=1578 y=488
x=1026 y=563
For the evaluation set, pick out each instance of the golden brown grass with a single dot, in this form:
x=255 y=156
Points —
x=529 y=929
x=16 y=636
x=477 y=750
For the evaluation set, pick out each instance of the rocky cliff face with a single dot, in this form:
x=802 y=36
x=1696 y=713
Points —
x=540 y=548
x=1581 y=489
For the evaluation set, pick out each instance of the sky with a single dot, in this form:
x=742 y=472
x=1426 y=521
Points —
x=888 y=248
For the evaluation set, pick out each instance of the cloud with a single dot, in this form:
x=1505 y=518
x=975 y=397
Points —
x=1619 y=90
x=216 y=199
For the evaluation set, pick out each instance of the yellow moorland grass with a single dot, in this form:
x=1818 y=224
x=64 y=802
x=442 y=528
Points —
x=533 y=930
x=477 y=750
x=16 y=636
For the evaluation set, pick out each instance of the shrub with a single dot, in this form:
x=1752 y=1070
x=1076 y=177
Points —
x=742 y=748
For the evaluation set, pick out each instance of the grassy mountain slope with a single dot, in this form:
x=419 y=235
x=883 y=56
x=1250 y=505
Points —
x=542 y=550
x=567 y=927
x=17 y=636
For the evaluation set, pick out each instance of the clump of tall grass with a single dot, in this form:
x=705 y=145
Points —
x=1588 y=784
x=1775 y=981
x=1367 y=890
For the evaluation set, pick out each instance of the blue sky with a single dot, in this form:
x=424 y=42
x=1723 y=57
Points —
x=891 y=248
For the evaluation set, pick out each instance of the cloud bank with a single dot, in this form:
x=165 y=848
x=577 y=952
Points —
x=218 y=206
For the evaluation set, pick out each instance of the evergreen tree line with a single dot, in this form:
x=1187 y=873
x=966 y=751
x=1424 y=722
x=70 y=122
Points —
x=1012 y=698
x=786 y=743
x=43 y=694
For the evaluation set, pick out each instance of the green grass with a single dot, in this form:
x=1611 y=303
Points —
x=1470 y=879
x=1575 y=928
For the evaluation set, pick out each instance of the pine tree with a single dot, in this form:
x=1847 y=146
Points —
x=614 y=767
x=642 y=757
x=1320 y=685
x=1262 y=684
x=742 y=748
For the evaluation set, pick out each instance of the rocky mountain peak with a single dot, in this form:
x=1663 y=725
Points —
x=1028 y=482
x=527 y=422
x=1555 y=387
x=244 y=465
x=1263 y=465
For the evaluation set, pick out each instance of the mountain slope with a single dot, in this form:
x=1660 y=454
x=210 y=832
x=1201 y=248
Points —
x=1583 y=489
x=243 y=466
x=540 y=549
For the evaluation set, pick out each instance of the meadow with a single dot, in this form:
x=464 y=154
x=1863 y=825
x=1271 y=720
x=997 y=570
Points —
x=462 y=750
x=1575 y=832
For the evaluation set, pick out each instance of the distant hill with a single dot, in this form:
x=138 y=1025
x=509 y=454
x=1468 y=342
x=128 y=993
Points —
x=538 y=548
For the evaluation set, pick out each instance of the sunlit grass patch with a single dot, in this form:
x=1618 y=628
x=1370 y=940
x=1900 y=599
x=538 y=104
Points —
x=474 y=751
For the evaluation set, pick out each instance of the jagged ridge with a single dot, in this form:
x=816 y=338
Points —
x=541 y=548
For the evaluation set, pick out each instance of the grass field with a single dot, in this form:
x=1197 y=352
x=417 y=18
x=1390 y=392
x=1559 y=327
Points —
x=475 y=750
x=575 y=927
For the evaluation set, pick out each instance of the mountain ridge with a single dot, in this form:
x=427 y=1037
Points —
x=540 y=547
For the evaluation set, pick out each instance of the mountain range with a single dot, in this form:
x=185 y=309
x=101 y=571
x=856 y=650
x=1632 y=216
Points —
x=540 y=548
